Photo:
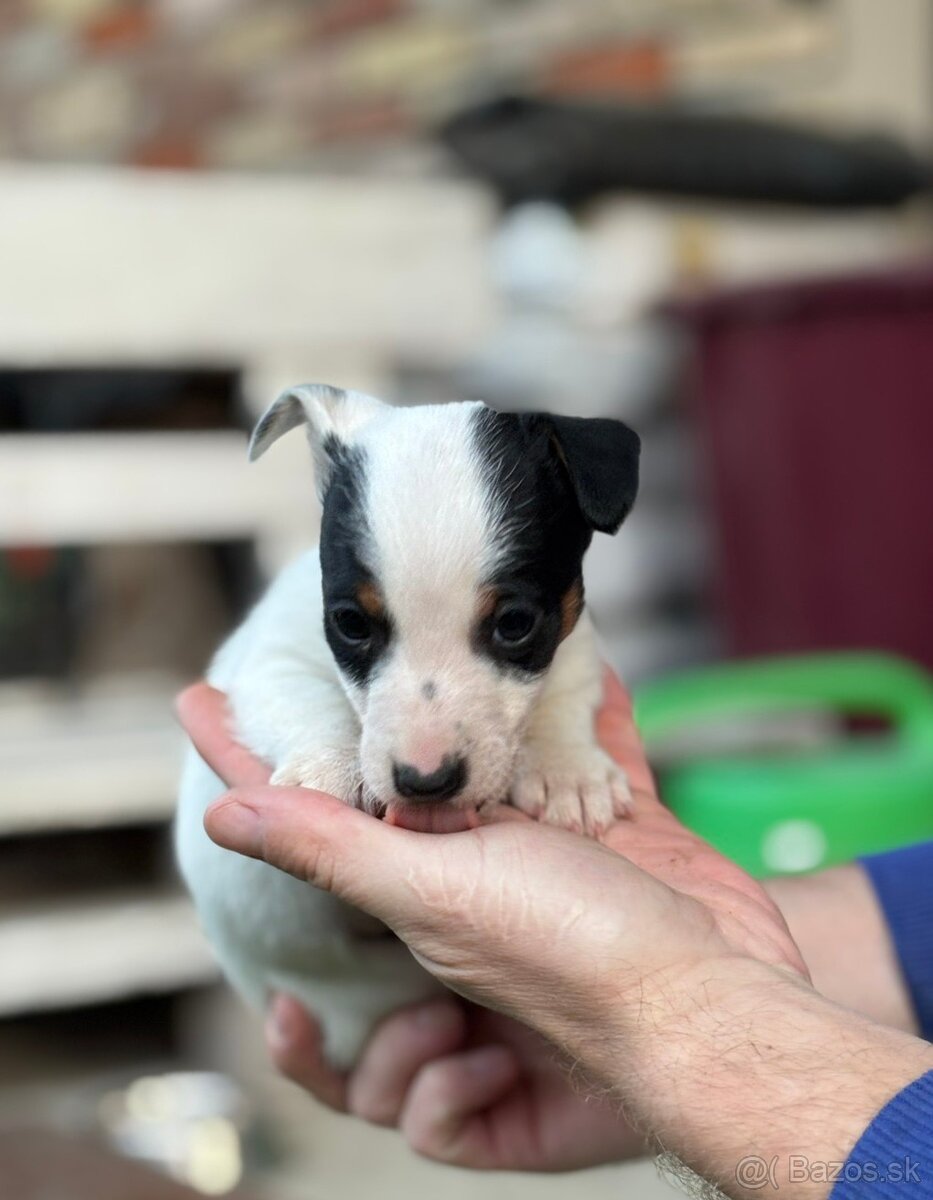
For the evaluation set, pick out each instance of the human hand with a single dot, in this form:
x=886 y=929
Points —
x=478 y=1088
x=464 y=1086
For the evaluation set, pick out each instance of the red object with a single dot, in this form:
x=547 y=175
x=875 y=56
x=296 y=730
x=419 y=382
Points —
x=336 y=123
x=30 y=562
x=814 y=404
x=335 y=18
x=617 y=69
x=169 y=154
x=120 y=28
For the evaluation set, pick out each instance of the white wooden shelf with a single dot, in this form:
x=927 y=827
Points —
x=99 y=949
x=179 y=267
x=77 y=489
x=107 y=757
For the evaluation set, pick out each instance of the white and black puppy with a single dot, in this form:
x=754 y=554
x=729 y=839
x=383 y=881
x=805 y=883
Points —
x=432 y=656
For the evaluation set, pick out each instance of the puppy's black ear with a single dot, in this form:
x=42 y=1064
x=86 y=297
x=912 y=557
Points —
x=331 y=414
x=601 y=457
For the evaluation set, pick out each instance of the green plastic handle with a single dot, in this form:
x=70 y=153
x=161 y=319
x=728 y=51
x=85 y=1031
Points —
x=784 y=813
x=849 y=684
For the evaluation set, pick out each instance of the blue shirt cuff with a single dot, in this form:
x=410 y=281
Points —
x=903 y=882
x=893 y=1159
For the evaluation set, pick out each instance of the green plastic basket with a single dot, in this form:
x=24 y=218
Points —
x=779 y=813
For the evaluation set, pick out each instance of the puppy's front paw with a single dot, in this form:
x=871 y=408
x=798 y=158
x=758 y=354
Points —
x=577 y=787
x=328 y=771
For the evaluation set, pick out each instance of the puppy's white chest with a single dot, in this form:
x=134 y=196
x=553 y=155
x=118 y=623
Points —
x=273 y=933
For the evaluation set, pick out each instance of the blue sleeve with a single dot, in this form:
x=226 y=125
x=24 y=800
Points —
x=903 y=882
x=893 y=1159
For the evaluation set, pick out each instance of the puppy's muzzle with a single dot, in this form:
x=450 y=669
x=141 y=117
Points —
x=442 y=784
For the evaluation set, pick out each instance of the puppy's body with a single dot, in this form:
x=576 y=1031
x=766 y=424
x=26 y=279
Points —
x=432 y=653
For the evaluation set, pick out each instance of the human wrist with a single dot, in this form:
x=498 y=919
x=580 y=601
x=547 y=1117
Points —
x=830 y=913
x=733 y=1059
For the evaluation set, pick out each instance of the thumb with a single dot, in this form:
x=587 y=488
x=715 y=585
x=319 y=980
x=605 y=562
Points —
x=317 y=838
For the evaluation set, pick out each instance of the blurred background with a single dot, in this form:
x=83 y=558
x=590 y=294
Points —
x=711 y=218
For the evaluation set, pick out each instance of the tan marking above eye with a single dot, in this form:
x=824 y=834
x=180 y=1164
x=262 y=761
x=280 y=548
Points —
x=370 y=599
x=488 y=599
x=571 y=605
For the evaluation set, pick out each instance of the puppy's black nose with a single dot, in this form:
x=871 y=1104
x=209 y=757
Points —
x=441 y=784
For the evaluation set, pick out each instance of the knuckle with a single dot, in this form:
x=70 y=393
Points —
x=316 y=863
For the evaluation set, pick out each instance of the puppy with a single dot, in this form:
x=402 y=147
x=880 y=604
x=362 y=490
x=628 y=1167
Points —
x=431 y=657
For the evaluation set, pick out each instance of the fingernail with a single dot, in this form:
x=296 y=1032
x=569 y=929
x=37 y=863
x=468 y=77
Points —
x=234 y=825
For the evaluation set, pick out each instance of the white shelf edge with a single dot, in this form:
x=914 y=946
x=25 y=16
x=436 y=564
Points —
x=87 y=760
x=80 y=489
x=100 y=949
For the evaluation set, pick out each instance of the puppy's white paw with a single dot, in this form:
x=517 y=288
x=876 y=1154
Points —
x=577 y=787
x=331 y=771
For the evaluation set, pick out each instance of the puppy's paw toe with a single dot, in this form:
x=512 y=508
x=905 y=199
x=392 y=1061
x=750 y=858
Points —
x=583 y=791
x=529 y=792
x=336 y=775
x=289 y=774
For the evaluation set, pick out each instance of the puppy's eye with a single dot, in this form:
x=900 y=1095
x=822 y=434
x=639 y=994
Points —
x=515 y=625
x=353 y=625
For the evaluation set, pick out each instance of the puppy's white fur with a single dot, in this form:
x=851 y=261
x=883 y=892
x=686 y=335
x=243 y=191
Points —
x=433 y=534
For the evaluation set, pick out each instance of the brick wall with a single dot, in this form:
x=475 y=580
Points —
x=295 y=84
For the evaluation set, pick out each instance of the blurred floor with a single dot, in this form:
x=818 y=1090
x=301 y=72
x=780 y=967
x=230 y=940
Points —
x=344 y=1158
x=38 y=1165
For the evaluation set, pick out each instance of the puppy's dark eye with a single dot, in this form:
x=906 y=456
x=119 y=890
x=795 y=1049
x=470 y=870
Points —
x=515 y=625
x=353 y=625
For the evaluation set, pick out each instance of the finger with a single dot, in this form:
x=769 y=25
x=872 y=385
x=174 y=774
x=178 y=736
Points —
x=396 y=1052
x=205 y=717
x=615 y=728
x=443 y=1116
x=296 y=1046
x=615 y=696
x=374 y=866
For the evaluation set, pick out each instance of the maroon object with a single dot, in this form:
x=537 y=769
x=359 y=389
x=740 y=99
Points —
x=814 y=404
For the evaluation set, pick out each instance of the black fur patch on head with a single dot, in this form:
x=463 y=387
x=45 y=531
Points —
x=542 y=537
x=343 y=572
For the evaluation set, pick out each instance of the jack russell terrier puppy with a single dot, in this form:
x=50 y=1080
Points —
x=430 y=658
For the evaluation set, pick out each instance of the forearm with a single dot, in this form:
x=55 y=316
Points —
x=735 y=1059
x=835 y=919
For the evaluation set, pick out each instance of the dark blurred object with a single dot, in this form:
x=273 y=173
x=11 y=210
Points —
x=72 y=864
x=39 y=1165
x=118 y=608
x=38 y=622
x=155 y=606
x=78 y=399
x=532 y=149
x=93 y=610
x=814 y=404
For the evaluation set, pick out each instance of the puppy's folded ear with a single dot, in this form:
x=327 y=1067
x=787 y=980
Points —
x=331 y=414
x=601 y=457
